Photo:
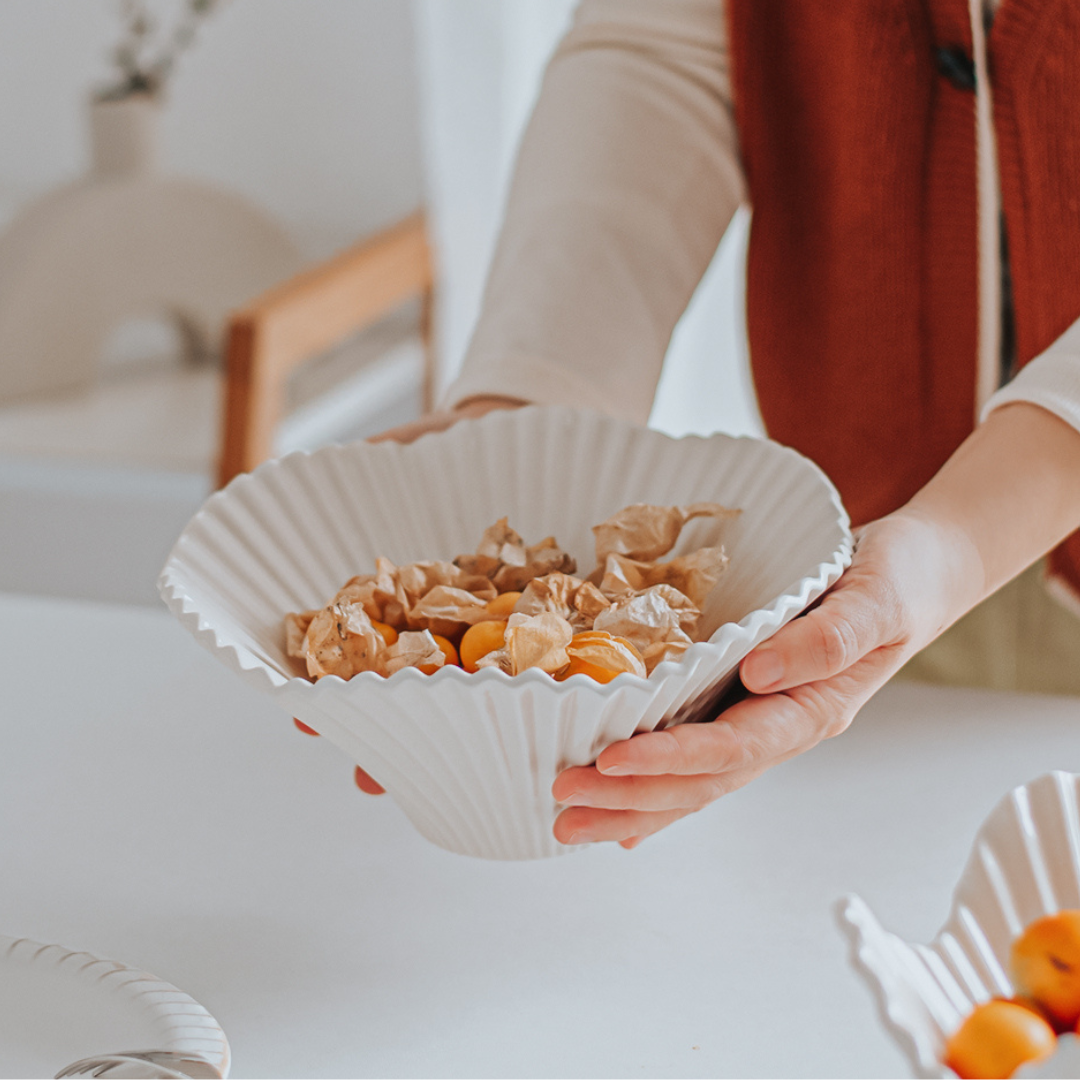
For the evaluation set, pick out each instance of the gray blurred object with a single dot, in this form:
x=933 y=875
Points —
x=125 y=242
x=144 y=1065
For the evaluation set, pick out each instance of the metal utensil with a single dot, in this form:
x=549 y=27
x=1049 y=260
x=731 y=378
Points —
x=144 y=1065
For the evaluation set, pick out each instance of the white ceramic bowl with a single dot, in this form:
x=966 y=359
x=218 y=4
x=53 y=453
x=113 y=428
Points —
x=471 y=758
x=58 y=1006
x=1025 y=863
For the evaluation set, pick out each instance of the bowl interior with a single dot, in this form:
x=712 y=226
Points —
x=288 y=536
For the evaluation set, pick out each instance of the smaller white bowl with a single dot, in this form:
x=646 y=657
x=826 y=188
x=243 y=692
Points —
x=58 y=1006
x=1024 y=863
x=471 y=758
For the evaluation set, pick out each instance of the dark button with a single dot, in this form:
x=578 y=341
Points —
x=956 y=66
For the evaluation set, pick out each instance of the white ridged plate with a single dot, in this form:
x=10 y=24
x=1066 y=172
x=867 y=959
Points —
x=58 y=1006
x=471 y=758
x=1025 y=863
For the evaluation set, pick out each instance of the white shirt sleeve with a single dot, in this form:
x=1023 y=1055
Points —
x=1051 y=379
x=627 y=177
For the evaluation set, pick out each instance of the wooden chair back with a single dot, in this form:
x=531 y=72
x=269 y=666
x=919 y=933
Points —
x=294 y=322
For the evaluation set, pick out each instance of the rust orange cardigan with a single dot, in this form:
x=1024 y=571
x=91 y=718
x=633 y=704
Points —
x=858 y=143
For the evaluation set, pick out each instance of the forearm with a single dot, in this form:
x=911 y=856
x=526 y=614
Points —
x=627 y=177
x=1009 y=494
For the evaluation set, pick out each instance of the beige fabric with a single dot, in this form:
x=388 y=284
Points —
x=627 y=177
x=1017 y=639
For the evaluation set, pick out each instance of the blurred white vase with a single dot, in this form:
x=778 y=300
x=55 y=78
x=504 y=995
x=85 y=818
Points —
x=125 y=242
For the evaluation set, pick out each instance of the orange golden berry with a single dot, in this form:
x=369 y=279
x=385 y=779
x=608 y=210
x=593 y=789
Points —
x=503 y=605
x=996 y=1039
x=389 y=634
x=600 y=656
x=1045 y=966
x=448 y=651
x=578 y=666
x=480 y=639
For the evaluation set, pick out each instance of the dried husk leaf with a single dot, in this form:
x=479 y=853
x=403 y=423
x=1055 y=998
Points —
x=484 y=565
x=657 y=614
x=645 y=532
x=296 y=625
x=575 y=600
x=340 y=640
x=659 y=651
x=502 y=543
x=605 y=651
x=375 y=592
x=552 y=592
x=447 y=611
x=694 y=575
x=498 y=658
x=418 y=579
x=589 y=601
x=414 y=648
x=541 y=559
x=538 y=641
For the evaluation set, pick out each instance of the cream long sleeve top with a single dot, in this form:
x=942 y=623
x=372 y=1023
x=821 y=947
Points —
x=627 y=177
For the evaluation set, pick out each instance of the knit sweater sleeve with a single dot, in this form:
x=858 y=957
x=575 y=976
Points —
x=627 y=177
x=1051 y=379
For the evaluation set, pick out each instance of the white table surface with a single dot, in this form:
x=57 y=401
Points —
x=156 y=810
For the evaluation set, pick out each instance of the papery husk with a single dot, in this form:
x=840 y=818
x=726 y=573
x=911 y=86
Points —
x=694 y=575
x=340 y=640
x=645 y=532
x=484 y=565
x=447 y=611
x=577 y=601
x=659 y=651
x=536 y=641
x=541 y=559
x=657 y=614
x=504 y=557
x=296 y=626
x=498 y=658
x=419 y=578
x=589 y=602
x=378 y=593
x=503 y=544
x=603 y=650
x=414 y=648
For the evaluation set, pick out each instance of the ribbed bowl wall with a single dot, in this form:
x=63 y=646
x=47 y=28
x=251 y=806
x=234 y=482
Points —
x=1024 y=863
x=286 y=537
x=179 y=1023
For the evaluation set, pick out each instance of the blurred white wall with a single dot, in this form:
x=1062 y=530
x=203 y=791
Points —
x=339 y=116
x=308 y=107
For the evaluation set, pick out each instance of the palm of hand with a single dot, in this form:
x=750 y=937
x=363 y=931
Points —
x=807 y=683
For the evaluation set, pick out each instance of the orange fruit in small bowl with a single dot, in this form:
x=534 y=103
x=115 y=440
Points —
x=1045 y=966
x=996 y=1039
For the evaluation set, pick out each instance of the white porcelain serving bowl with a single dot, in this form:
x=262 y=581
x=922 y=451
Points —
x=1025 y=863
x=471 y=758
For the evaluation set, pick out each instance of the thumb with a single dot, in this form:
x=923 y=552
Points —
x=847 y=625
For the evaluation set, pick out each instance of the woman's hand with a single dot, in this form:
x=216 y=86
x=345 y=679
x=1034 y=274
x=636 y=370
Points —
x=808 y=682
x=1007 y=496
